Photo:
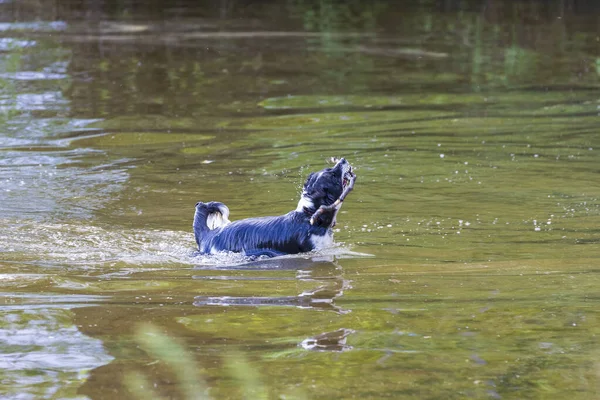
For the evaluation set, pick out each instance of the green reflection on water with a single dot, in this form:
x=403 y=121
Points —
x=474 y=135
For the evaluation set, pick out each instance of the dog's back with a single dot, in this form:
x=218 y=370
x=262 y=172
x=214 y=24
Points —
x=286 y=234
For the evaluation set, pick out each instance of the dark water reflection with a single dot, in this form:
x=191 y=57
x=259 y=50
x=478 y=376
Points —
x=468 y=262
x=320 y=280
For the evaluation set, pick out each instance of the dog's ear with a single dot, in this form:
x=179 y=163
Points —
x=314 y=191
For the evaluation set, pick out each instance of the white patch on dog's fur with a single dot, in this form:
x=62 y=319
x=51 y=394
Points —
x=218 y=219
x=304 y=202
x=224 y=210
x=321 y=242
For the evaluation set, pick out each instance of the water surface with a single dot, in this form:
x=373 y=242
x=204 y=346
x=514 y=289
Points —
x=467 y=256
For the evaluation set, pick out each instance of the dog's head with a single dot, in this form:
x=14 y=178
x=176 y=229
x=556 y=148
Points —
x=323 y=188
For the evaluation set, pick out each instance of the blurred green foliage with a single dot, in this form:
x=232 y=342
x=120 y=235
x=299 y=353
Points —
x=189 y=382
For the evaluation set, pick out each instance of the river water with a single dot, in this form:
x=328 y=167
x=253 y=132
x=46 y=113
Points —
x=466 y=261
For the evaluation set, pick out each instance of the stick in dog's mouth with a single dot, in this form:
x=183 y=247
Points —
x=349 y=179
x=348 y=176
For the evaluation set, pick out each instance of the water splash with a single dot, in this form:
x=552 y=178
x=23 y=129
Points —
x=228 y=260
x=86 y=246
x=90 y=246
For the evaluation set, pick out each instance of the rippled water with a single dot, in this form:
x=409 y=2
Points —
x=466 y=262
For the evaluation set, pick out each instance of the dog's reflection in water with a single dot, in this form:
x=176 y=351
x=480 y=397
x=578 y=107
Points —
x=328 y=341
x=321 y=276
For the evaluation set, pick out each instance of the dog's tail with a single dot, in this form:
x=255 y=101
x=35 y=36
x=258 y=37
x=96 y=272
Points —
x=209 y=216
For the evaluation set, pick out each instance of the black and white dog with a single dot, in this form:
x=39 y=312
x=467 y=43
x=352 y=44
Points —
x=308 y=227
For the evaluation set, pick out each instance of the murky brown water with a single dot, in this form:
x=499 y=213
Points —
x=467 y=256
